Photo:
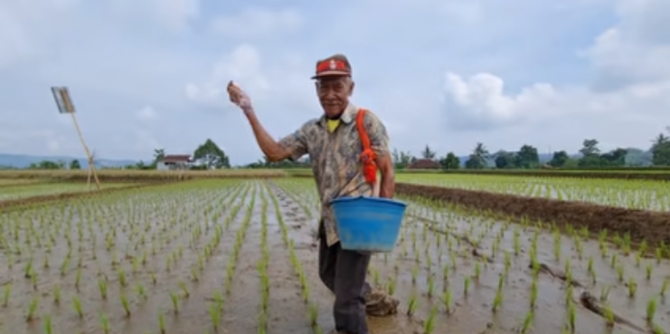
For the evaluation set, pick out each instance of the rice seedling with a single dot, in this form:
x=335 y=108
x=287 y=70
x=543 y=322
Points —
x=32 y=308
x=572 y=317
x=429 y=325
x=528 y=322
x=652 y=305
x=161 y=322
x=7 y=295
x=664 y=287
x=48 y=327
x=412 y=305
x=56 y=294
x=174 y=297
x=104 y=323
x=632 y=287
x=125 y=304
x=76 y=304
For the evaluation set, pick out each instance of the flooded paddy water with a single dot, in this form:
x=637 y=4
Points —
x=240 y=256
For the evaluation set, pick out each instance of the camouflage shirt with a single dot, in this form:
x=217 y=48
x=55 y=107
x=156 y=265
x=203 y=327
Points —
x=335 y=158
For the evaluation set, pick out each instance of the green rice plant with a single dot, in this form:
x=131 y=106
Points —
x=48 y=328
x=517 y=242
x=609 y=316
x=619 y=272
x=102 y=287
x=478 y=270
x=497 y=300
x=104 y=323
x=572 y=317
x=184 y=289
x=161 y=322
x=78 y=309
x=215 y=316
x=632 y=287
x=313 y=315
x=447 y=300
x=604 y=293
x=412 y=305
x=125 y=304
x=28 y=270
x=7 y=294
x=466 y=285
x=649 y=271
x=664 y=287
x=415 y=273
x=638 y=259
x=656 y=329
x=429 y=325
x=32 y=308
x=141 y=292
x=528 y=322
x=122 y=278
x=568 y=294
x=391 y=286
x=652 y=305
x=56 y=294
x=175 y=301
x=77 y=279
x=614 y=262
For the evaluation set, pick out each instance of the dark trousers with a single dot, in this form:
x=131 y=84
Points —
x=343 y=272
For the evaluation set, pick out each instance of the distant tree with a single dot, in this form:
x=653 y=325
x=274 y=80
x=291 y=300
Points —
x=401 y=159
x=590 y=147
x=661 y=155
x=210 y=155
x=427 y=153
x=591 y=154
x=159 y=154
x=661 y=150
x=615 y=158
x=477 y=160
x=559 y=159
x=74 y=164
x=504 y=159
x=450 y=161
x=527 y=157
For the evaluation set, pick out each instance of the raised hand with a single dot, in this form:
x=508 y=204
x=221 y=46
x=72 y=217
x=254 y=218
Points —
x=238 y=96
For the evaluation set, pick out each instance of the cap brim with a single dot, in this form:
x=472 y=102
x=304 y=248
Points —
x=331 y=74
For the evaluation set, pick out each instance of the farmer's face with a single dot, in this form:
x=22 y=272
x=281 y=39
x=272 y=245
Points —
x=334 y=94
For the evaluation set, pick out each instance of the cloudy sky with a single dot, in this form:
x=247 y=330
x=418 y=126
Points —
x=148 y=74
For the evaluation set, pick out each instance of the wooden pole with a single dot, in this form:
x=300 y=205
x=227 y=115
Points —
x=91 y=163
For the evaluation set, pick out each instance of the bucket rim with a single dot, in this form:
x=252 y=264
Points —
x=374 y=199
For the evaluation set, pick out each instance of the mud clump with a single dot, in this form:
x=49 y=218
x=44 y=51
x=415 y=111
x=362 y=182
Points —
x=654 y=227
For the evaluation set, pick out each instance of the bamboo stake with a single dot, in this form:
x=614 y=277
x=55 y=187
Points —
x=91 y=163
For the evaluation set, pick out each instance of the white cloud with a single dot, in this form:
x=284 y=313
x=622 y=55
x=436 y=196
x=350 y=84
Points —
x=258 y=22
x=147 y=113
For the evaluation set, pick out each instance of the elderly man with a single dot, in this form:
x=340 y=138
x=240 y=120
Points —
x=333 y=145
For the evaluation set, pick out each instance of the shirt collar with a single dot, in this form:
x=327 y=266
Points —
x=347 y=115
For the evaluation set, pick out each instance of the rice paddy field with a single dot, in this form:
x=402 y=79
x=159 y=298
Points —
x=631 y=194
x=240 y=256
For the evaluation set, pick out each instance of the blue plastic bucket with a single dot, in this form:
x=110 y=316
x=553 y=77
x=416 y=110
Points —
x=368 y=223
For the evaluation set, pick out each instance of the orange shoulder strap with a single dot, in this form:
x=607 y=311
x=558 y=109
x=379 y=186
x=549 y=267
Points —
x=367 y=157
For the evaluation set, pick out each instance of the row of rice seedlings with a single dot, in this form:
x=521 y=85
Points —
x=263 y=271
x=312 y=308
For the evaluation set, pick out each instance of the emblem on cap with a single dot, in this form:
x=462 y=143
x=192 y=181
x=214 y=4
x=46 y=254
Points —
x=333 y=65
